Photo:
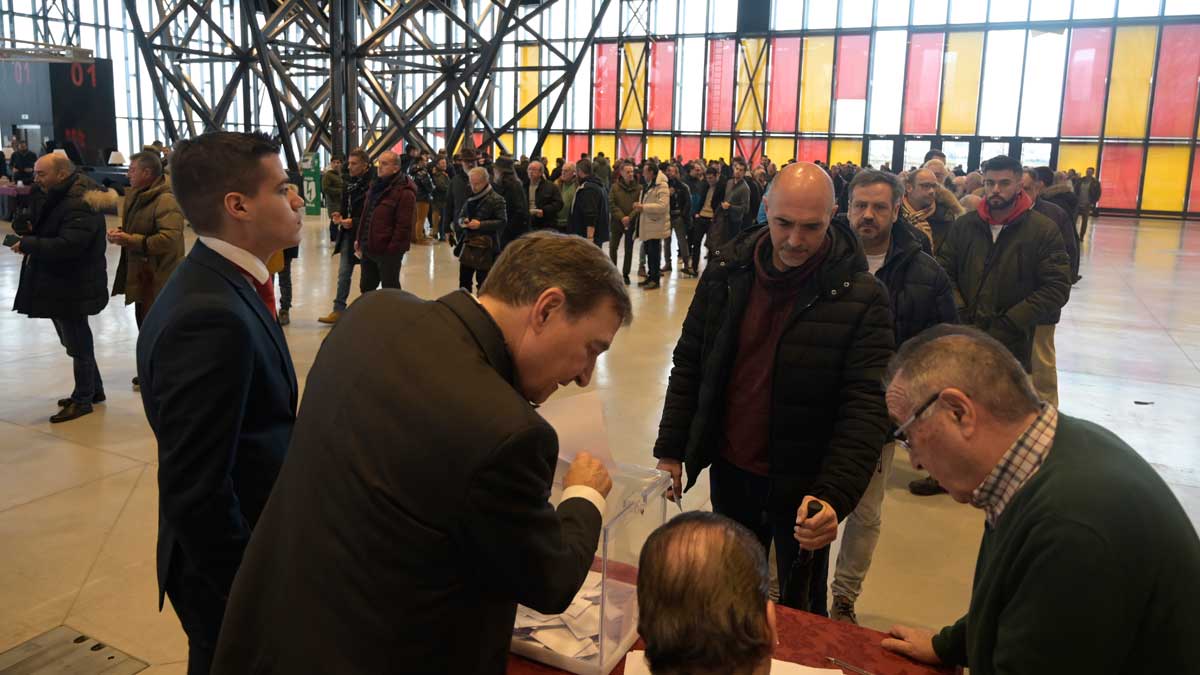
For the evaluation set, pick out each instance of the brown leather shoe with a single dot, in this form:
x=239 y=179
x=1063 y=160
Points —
x=330 y=318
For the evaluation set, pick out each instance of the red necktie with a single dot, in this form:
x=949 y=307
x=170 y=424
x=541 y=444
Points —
x=265 y=291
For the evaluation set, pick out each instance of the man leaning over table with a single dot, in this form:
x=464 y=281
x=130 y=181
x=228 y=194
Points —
x=1088 y=563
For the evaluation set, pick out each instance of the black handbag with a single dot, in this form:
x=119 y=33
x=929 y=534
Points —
x=478 y=252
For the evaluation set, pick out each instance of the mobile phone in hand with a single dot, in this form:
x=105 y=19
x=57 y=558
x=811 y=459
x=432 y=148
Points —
x=10 y=240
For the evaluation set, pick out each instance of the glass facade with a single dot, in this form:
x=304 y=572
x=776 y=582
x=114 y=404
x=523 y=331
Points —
x=1110 y=84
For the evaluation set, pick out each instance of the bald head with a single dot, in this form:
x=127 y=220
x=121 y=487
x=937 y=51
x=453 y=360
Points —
x=51 y=171
x=803 y=181
x=388 y=164
x=799 y=208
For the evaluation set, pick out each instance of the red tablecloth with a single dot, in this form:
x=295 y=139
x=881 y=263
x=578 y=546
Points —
x=804 y=638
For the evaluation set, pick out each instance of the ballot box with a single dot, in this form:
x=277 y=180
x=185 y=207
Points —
x=600 y=626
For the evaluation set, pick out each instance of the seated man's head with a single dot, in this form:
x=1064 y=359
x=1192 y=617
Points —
x=703 y=599
x=232 y=186
x=960 y=400
x=559 y=302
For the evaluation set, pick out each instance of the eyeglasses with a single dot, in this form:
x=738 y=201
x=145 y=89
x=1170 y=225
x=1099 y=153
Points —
x=900 y=434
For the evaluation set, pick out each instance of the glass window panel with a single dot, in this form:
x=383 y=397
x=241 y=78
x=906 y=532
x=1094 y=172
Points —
x=752 y=84
x=816 y=81
x=893 y=13
x=846 y=150
x=581 y=18
x=784 y=84
x=1042 y=102
x=928 y=11
x=1087 y=73
x=610 y=25
x=850 y=92
x=789 y=15
x=630 y=147
x=1166 y=178
x=1001 y=82
x=693 y=15
x=857 y=13
x=781 y=149
x=633 y=85
x=957 y=153
x=688 y=147
x=879 y=152
x=581 y=98
x=529 y=87
x=1194 y=193
x=716 y=147
x=1175 y=82
x=689 y=90
x=662 y=85
x=1178 y=7
x=1137 y=8
x=1035 y=154
x=1094 y=9
x=719 y=93
x=992 y=149
x=604 y=113
x=749 y=148
x=606 y=143
x=960 y=87
x=635 y=18
x=821 y=14
x=969 y=11
x=914 y=152
x=1129 y=82
x=722 y=16
x=664 y=18
x=1120 y=173
x=923 y=83
x=812 y=150
x=659 y=146
x=887 y=81
x=1078 y=156
x=1013 y=10
x=577 y=144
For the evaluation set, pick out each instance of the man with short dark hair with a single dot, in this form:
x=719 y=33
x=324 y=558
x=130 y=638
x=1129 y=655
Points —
x=735 y=203
x=459 y=190
x=516 y=200
x=346 y=217
x=589 y=212
x=711 y=195
x=624 y=207
x=23 y=160
x=218 y=384
x=408 y=561
x=1088 y=562
x=1089 y=192
x=418 y=171
x=703 y=602
x=681 y=222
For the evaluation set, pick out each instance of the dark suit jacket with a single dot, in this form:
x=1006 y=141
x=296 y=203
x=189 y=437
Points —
x=220 y=393
x=406 y=526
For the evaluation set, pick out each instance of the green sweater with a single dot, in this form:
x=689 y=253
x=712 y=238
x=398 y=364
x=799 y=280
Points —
x=1092 y=568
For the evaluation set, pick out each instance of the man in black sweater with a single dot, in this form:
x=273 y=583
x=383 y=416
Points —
x=1088 y=563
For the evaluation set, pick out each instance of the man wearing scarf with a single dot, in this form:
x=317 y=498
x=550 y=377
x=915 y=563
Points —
x=929 y=207
x=385 y=233
x=1008 y=263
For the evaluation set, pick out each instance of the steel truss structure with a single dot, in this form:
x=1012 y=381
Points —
x=369 y=53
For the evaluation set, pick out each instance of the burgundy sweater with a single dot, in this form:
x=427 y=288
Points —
x=748 y=393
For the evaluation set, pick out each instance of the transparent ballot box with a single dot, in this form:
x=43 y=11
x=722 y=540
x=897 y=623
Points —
x=600 y=626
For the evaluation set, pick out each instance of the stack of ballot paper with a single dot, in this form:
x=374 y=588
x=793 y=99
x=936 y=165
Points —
x=575 y=634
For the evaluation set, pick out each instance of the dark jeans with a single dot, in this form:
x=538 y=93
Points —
x=379 y=270
x=75 y=334
x=465 y=275
x=346 y=262
x=653 y=249
x=199 y=608
x=285 y=284
x=742 y=496
x=681 y=233
x=615 y=241
x=700 y=227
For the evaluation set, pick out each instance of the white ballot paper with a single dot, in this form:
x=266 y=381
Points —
x=635 y=664
x=579 y=423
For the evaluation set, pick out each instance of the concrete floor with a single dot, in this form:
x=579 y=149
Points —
x=78 y=509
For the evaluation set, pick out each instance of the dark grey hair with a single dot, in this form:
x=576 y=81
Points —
x=872 y=177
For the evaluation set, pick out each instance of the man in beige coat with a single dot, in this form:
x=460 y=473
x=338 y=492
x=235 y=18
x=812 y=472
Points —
x=150 y=236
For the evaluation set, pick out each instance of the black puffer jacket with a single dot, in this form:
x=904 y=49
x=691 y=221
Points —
x=917 y=285
x=64 y=273
x=489 y=209
x=516 y=201
x=828 y=418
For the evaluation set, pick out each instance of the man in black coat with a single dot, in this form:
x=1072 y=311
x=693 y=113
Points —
x=921 y=297
x=776 y=378
x=460 y=188
x=516 y=200
x=216 y=375
x=23 y=160
x=589 y=212
x=64 y=274
x=545 y=199
x=376 y=553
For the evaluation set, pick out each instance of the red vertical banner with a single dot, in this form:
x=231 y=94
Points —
x=749 y=148
x=784 y=83
x=721 y=77
x=1087 y=72
x=1120 y=173
x=688 y=147
x=923 y=84
x=812 y=150
x=577 y=144
x=659 y=113
x=604 y=84
x=850 y=85
x=1175 y=82
x=630 y=147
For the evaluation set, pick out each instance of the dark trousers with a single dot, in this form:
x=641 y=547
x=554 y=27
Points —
x=465 y=274
x=199 y=608
x=742 y=496
x=700 y=227
x=653 y=249
x=379 y=270
x=75 y=334
x=285 y=284
x=617 y=234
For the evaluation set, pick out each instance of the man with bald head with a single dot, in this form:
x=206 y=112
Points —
x=63 y=273
x=386 y=231
x=775 y=383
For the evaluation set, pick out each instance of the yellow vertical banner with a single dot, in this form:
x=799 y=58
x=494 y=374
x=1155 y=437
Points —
x=752 y=84
x=1078 y=156
x=780 y=149
x=845 y=150
x=509 y=141
x=606 y=143
x=658 y=147
x=816 y=83
x=1166 y=178
x=960 y=88
x=633 y=85
x=716 y=147
x=528 y=85
x=1129 y=85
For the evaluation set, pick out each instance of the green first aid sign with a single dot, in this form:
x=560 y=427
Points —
x=310 y=167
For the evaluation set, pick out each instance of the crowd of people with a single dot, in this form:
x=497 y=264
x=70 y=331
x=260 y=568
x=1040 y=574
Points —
x=840 y=313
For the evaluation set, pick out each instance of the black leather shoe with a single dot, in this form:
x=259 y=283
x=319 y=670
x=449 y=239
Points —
x=649 y=286
x=72 y=411
x=627 y=281
x=926 y=487
x=64 y=402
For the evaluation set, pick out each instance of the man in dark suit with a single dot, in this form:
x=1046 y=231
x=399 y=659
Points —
x=217 y=379
x=411 y=516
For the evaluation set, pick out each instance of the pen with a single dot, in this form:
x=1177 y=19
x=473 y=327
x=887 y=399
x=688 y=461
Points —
x=846 y=666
